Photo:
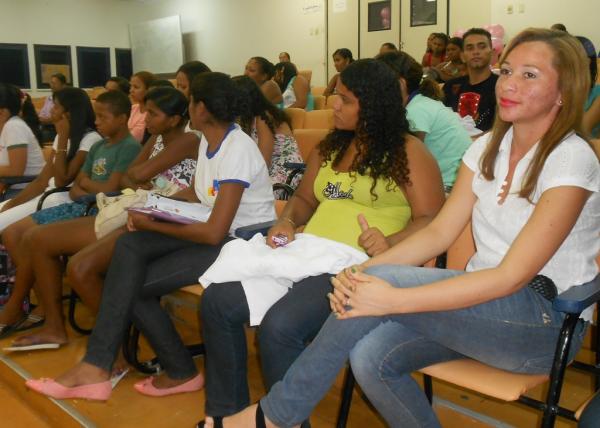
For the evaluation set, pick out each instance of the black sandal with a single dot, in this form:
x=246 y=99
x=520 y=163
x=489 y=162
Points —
x=217 y=422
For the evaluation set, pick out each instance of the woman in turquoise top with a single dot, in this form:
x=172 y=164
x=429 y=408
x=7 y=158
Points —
x=431 y=121
x=294 y=87
x=369 y=184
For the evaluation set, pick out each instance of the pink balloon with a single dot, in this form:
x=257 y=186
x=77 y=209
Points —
x=497 y=45
x=496 y=30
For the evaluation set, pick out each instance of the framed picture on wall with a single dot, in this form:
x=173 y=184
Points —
x=380 y=16
x=49 y=60
x=93 y=66
x=14 y=64
x=423 y=12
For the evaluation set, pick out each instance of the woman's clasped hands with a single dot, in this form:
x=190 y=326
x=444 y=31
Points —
x=357 y=294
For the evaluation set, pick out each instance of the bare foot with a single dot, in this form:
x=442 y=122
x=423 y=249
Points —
x=83 y=374
x=43 y=336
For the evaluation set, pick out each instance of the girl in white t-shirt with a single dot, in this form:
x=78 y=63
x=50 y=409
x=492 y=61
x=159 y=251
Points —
x=20 y=152
x=158 y=257
x=73 y=117
x=531 y=192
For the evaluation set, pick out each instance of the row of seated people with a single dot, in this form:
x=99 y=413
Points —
x=465 y=65
x=444 y=138
x=371 y=188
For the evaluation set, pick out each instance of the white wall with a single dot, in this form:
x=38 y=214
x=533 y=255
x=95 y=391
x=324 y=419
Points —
x=465 y=14
x=226 y=33
x=222 y=33
x=97 y=23
x=579 y=16
x=370 y=42
x=342 y=29
x=414 y=39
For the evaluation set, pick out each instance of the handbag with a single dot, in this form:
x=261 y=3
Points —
x=112 y=210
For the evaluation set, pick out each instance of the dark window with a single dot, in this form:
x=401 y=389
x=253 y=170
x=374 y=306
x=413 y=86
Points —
x=51 y=59
x=93 y=66
x=14 y=64
x=124 y=64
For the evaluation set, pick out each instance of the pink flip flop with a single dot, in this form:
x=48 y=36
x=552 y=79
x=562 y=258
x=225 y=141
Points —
x=146 y=387
x=95 y=391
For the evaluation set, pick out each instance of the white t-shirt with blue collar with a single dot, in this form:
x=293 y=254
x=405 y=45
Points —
x=236 y=160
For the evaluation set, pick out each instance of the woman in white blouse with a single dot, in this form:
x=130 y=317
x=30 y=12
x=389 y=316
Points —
x=530 y=189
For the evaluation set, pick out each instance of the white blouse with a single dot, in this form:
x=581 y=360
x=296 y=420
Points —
x=495 y=226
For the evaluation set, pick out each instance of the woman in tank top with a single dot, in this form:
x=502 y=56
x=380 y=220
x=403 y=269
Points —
x=369 y=184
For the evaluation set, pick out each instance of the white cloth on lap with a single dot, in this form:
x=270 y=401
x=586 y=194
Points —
x=266 y=273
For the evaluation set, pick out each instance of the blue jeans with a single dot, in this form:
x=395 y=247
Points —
x=146 y=265
x=282 y=336
x=516 y=333
x=591 y=414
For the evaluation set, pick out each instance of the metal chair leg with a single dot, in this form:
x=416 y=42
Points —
x=73 y=298
x=428 y=388
x=130 y=352
x=347 y=389
x=557 y=373
x=131 y=347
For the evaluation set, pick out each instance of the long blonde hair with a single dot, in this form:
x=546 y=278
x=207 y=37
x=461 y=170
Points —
x=571 y=63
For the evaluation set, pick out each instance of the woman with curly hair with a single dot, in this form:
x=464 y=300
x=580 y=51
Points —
x=369 y=184
x=270 y=128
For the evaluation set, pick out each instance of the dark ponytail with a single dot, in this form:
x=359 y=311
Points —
x=76 y=102
x=405 y=67
x=30 y=117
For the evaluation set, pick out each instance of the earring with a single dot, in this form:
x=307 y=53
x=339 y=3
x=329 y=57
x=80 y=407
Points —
x=560 y=102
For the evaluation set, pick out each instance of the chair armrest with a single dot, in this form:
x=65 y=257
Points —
x=295 y=165
x=17 y=179
x=248 y=232
x=286 y=190
x=90 y=198
x=47 y=193
x=576 y=299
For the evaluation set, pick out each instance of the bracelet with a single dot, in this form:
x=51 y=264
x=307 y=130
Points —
x=61 y=150
x=289 y=220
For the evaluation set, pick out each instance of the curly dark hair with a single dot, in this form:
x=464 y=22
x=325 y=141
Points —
x=258 y=105
x=380 y=135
